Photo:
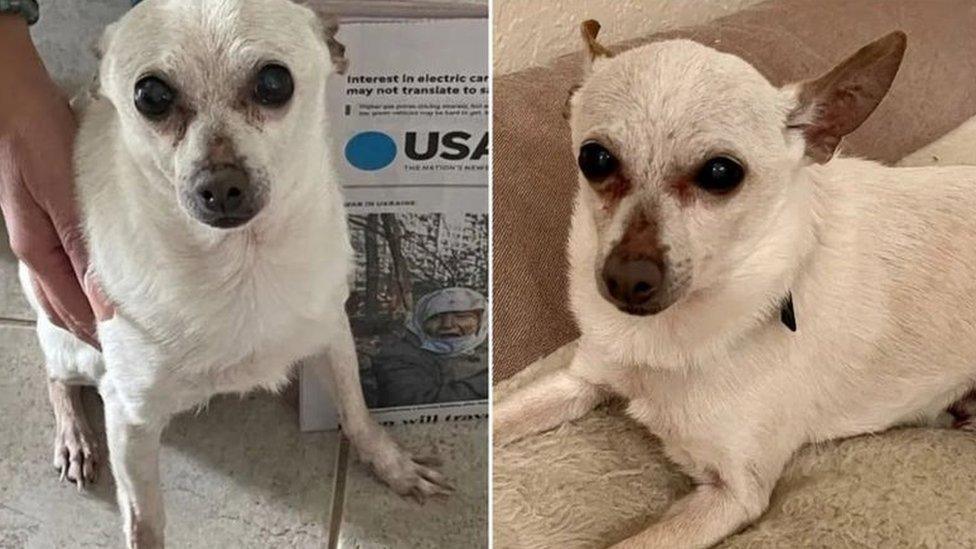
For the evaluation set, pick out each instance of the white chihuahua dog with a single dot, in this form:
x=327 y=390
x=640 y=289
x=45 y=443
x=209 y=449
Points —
x=217 y=228
x=747 y=291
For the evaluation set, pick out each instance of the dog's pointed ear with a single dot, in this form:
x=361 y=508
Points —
x=101 y=45
x=327 y=26
x=337 y=50
x=594 y=49
x=834 y=105
x=98 y=48
x=589 y=29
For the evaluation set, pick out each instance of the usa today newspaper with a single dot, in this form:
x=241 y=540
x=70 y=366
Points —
x=410 y=131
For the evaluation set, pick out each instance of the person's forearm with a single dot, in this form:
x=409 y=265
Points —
x=17 y=53
x=37 y=200
x=14 y=33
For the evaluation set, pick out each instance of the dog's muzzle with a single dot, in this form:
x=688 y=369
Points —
x=635 y=285
x=224 y=197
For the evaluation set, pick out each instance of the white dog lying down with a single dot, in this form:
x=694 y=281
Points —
x=745 y=290
x=216 y=226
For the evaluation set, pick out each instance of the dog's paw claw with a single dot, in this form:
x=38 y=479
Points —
x=428 y=461
x=434 y=477
x=409 y=476
x=431 y=483
x=426 y=489
x=76 y=454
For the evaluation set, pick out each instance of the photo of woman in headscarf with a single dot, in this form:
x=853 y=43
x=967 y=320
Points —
x=440 y=356
x=419 y=307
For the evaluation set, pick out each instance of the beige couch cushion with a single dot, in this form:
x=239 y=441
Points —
x=600 y=479
x=534 y=168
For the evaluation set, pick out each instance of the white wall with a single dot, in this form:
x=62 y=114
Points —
x=530 y=32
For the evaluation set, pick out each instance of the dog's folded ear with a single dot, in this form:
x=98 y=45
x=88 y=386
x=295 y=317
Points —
x=834 y=105
x=327 y=26
x=589 y=29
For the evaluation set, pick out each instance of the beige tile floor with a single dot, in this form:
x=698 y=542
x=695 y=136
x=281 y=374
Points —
x=370 y=518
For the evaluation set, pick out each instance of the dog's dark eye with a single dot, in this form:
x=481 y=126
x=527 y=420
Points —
x=596 y=162
x=153 y=97
x=273 y=86
x=720 y=175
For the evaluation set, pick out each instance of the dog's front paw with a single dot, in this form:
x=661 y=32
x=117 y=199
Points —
x=76 y=452
x=407 y=475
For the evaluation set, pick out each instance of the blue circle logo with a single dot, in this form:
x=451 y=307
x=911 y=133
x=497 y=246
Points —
x=371 y=151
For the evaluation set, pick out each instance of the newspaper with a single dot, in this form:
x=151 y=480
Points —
x=410 y=132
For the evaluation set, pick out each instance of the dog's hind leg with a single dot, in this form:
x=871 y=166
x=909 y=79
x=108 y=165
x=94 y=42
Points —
x=76 y=452
x=722 y=503
x=134 y=455
x=407 y=475
x=69 y=362
x=545 y=403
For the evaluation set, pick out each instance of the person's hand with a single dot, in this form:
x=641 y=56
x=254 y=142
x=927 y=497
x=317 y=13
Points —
x=37 y=196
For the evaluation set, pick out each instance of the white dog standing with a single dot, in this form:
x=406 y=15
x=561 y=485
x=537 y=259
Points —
x=744 y=289
x=216 y=226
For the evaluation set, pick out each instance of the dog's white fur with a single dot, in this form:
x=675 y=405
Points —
x=881 y=263
x=200 y=310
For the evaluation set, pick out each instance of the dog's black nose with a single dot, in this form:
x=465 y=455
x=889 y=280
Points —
x=224 y=197
x=631 y=282
x=223 y=192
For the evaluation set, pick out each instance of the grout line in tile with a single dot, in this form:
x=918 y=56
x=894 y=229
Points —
x=16 y=322
x=339 y=492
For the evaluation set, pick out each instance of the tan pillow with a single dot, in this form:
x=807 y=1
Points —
x=534 y=168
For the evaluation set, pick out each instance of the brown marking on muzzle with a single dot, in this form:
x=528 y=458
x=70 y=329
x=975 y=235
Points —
x=220 y=151
x=641 y=239
x=633 y=275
